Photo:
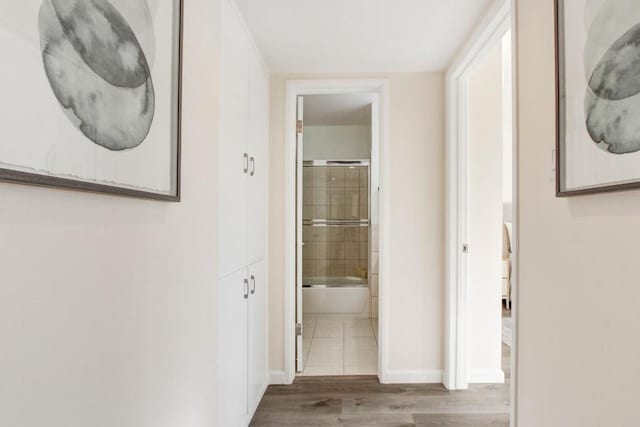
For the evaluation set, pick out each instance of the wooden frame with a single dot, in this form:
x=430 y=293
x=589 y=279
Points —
x=19 y=177
x=559 y=153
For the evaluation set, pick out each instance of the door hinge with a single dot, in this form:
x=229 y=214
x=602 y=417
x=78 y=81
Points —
x=299 y=126
x=465 y=248
x=298 y=329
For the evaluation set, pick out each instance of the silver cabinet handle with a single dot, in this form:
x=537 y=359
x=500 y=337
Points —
x=246 y=288
x=253 y=285
x=253 y=166
x=246 y=162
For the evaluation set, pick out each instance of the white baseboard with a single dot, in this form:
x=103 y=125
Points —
x=477 y=376
x=277 y=378
x=412 y=377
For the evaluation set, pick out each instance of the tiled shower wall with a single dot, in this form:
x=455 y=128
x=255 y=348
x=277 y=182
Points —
x=335 y=192
x=375 y=253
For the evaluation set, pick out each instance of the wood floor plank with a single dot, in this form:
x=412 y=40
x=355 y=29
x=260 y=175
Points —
x=462 y=420
x=489 y=403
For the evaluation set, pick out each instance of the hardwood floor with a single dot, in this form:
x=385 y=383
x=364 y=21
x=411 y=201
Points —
x=363 y=401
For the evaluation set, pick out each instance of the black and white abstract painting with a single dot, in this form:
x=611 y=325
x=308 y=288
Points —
x=91 y=94
x=598 y=58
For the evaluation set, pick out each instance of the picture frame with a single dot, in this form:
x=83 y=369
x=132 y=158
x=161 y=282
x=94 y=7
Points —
x=111 y=112
x=594 y=152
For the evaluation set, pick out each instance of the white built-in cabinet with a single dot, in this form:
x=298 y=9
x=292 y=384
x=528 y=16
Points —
x=243 y=190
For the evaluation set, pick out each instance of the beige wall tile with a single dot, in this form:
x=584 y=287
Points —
x=373 y=285
x=336 y=268
x=374 y=308
x=337 y=177
x=336 y=250
x=352 y=250
x=352 y=177
x=320 y=211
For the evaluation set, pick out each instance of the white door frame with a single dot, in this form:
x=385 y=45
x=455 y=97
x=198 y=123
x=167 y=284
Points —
x=294 y=88
x=498 y=21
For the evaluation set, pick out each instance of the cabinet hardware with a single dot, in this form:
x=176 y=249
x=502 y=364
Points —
x=299 y=329
x=246 y=162
x=253 y=166
x=253 y=285
x=246 y=288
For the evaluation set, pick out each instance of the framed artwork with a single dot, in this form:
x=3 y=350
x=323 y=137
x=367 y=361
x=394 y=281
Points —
x=90 y=95
x=598 y=96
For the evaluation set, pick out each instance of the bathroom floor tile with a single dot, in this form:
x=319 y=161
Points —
x=322 y=371
x=326 y=352
x=361 y=370
x=360 y=352
x=329 y=328
x=374 y=326
x=334 y=346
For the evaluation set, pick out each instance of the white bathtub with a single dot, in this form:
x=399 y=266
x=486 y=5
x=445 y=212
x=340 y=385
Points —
x=345 y=296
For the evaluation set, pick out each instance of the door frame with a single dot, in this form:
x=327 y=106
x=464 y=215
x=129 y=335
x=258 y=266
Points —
x=500 y=19
x=295 y=88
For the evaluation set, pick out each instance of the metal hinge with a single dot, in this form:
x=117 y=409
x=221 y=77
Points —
x=465 y=248
x=299 y=126
x=298 y=329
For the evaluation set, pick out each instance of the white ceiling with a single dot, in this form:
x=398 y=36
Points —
x=342 y=36
x=337 y=110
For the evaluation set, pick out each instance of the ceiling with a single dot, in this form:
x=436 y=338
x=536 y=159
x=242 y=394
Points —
x=342 y=36
x=337 y=110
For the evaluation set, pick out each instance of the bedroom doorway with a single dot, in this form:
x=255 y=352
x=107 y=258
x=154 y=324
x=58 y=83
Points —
x=482 y=210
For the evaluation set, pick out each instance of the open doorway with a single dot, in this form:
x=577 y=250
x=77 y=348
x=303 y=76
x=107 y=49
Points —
x=336 y=286
x=490 y=216
x=482 y=211
x=337 y=275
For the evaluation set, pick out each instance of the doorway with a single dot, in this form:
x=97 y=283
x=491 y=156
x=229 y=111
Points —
x=482 y=209
x=338 y=280
x=335 y=224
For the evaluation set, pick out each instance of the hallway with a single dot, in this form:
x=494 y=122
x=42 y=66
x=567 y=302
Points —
x=363 y=401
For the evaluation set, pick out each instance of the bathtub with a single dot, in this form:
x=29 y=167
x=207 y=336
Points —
x=345 y=296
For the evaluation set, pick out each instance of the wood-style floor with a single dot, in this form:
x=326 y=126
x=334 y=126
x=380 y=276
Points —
x=363 y=401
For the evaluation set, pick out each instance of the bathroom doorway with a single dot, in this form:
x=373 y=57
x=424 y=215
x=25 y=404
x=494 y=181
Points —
x=337 y=276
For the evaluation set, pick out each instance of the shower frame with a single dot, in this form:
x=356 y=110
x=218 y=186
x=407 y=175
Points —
x=361 y=222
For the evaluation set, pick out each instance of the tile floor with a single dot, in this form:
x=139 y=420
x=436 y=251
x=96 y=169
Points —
x=333 y=346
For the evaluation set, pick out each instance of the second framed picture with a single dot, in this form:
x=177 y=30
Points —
x=598 y=96
x=91 y=95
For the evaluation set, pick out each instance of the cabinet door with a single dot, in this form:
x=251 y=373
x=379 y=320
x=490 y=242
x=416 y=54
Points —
x=234 y=128
x=258 y=151
x=258 y=334
x=232 y=349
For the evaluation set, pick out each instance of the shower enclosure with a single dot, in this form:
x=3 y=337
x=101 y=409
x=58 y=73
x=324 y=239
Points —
x=335 y=230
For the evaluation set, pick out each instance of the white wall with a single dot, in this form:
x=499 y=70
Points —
x=485 y=218
x=416 y=235
x=507 y=127
x=578 y=291
x=337 y=142
x=107 y=303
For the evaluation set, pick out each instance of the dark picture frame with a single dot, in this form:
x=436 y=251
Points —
x=43 y=180
x=561 y=114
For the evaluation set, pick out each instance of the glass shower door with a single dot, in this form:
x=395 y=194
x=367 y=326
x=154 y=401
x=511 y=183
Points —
x=335 y=223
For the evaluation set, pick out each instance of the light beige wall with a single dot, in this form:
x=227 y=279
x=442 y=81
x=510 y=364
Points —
x=578 y=321
x=416 y=234
x=485 y=217
x=337 y=142
x=107 y=304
